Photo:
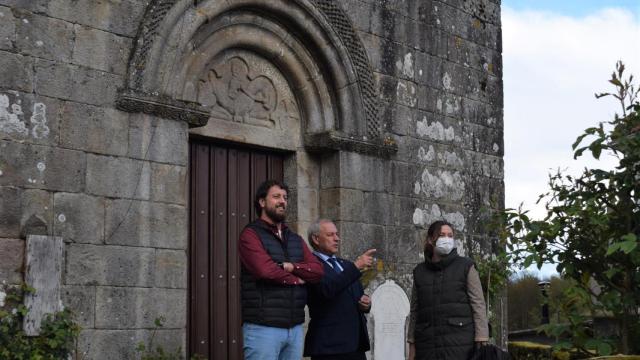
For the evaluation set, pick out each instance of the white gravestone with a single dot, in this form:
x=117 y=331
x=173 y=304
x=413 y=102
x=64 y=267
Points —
x=390 y=310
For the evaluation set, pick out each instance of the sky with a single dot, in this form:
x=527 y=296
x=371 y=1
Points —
x=557 y=54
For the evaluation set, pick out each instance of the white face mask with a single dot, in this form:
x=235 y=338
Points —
x=444 y=245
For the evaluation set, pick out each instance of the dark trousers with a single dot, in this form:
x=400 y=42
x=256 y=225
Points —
x=358 y=355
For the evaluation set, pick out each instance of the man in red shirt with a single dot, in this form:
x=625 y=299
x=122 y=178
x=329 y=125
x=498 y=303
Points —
x=276 y=263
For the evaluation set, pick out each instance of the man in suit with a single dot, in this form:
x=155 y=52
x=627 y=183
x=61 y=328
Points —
x=337 y=304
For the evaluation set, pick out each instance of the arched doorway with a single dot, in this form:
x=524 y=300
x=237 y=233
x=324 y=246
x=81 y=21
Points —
x=286 y=77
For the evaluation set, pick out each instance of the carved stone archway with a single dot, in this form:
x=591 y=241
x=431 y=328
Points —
x=311 y=42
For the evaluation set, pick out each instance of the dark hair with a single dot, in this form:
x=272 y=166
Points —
x=434 y=229
x=263 y=190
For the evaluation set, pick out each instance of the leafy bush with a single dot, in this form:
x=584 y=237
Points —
x=57 y=337
x=590 y=230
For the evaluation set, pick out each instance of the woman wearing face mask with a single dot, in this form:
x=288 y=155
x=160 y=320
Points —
x=448 y=316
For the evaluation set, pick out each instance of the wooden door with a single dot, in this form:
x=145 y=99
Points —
x=223 y=180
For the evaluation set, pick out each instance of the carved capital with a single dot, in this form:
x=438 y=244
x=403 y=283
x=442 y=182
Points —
x=191 y=113
x=334 y=140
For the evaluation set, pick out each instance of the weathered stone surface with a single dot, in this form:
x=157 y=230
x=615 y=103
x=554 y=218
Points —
x=130 y=308
x=35 y=119
x=169 y=183
x=76 y=83
x=403 y=245
x=38 y=6
x=304 y=167
x=142 y=223
x=343 y=204
x=396 y=173
x=81 y=300
x=17 y=72
x=10 y=211
x=118 y=177
x=7 y=28
x=383 y=53
x=121 y=344
x=44 y=37
x=93 y=129
x=157 y=139
x=437 y=68
x=37 y=213
x=307 y=201
x=376 y=208
x=44 y=259
x=12 y=255
x=401 y=119
x=109 y=265
x=35 y=166
x=358 y=237
x=101 y=50
x=120 y=17
x=79 y=218
x=483 y=139
x=171 y=269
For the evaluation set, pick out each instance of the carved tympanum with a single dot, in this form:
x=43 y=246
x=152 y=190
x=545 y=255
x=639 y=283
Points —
x=247 y=90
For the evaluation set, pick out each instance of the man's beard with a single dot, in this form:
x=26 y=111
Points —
x=274 y=215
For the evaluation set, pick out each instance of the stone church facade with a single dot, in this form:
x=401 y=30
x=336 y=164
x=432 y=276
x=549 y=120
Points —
x=133 y=132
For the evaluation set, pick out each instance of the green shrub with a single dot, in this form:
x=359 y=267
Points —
x=58 y=332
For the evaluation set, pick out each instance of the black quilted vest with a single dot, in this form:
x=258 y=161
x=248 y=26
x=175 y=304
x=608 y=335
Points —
x=267 y=303
x=444 y=324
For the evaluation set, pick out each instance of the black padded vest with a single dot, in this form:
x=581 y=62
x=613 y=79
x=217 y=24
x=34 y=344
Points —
x=444 y=324
x=267 y=303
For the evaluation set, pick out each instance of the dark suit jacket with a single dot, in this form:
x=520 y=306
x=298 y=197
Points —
x=337 y=325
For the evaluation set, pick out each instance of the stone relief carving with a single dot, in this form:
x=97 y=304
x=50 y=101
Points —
x=246 y=91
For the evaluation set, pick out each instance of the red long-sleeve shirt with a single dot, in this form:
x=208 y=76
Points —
x=258 y=262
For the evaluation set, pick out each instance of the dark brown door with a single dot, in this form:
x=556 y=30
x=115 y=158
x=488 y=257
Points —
x=223 y=180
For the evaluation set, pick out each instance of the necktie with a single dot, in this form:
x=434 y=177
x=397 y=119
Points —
x=334 y=264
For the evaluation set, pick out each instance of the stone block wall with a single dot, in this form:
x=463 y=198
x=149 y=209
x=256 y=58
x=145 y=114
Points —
x=113 y=184
x=110 y=183
x=438 y=67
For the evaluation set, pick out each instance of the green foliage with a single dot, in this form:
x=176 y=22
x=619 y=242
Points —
x=57 y=335
x=592 y=226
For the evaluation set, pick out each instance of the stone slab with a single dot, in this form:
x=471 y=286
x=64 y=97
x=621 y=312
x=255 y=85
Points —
x=119 y=17
x=109 y=265
x=79 y=218
x=389 y=309
x=359 y=237
x=43 y=167
x=158 y=140
x=169 y=183
x=118 y=177
x=44 y=37
x=37 y=213
x=127 y=308
x=81 y=300
x=10 y=211
x=93 y=129
x=44 y=261
x=171 y=269
x=29 y=118
x=12 y=255
x=72 y=82
x=121 y=344
x=17 y=72
x=101 y=50
x=142 y=223
x=7 y=28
